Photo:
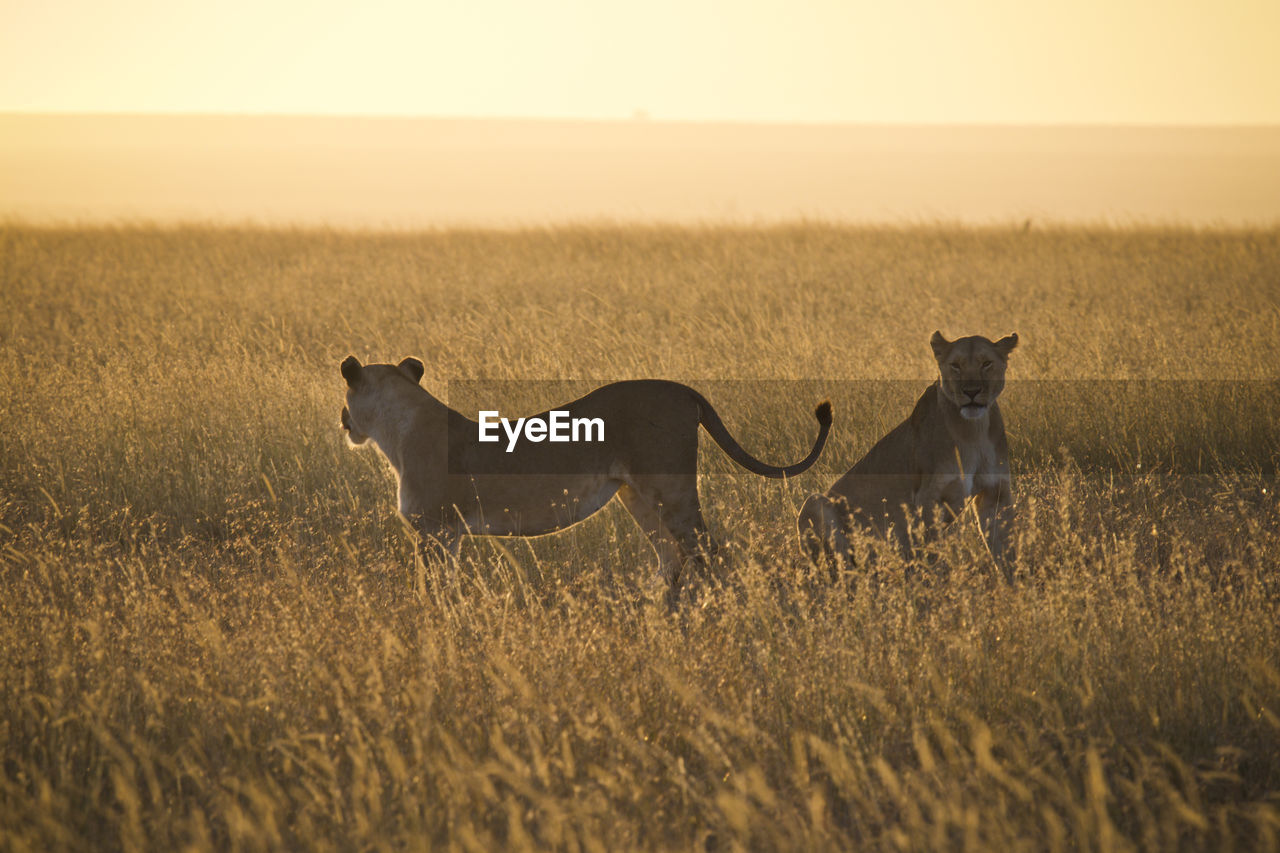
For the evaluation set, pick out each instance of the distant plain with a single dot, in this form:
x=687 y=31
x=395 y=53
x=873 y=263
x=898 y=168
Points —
x=408 y=173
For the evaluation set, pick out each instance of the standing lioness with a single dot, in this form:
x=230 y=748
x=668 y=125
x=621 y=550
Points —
x=951 y=448
x=451 y=483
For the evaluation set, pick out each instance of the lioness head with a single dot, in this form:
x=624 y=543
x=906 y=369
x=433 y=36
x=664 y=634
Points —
x=972 y=370
x=367 y=398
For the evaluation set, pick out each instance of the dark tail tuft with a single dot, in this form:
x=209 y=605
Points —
x=823 y=412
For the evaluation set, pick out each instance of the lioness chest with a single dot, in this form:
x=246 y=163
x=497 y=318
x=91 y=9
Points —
x=961 y=474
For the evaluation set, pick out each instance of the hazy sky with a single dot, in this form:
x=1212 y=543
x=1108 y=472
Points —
x=1128 y=61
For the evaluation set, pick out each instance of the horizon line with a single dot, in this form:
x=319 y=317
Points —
x=645 y=119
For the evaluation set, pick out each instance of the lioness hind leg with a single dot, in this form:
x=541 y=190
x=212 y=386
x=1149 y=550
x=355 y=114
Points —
x=682 y=517
x=812 y=529
x=668 y=512
x=669 y=559
x=823 y=528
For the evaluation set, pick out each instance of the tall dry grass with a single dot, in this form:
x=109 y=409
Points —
x=211 y=639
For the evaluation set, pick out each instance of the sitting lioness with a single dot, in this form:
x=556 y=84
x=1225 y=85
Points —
x=451 y=483
x=951 y=448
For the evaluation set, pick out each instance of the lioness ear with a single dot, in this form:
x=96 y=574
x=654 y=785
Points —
x=351 y=369
x=412 y=368
x=1007 y=343
x=939 y=344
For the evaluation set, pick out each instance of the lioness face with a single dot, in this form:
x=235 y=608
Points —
x=366 y=393
x=972 y=370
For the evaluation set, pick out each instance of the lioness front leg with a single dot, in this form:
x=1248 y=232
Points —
x=438 y=548
x=995 y=517
x=936 y=506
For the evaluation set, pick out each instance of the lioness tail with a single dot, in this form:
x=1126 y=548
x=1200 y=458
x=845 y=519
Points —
x=716 y=429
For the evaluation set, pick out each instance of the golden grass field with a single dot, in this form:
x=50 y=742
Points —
x=212 y=639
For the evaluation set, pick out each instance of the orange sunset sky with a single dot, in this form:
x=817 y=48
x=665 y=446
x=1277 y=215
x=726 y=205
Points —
x=913 y=61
